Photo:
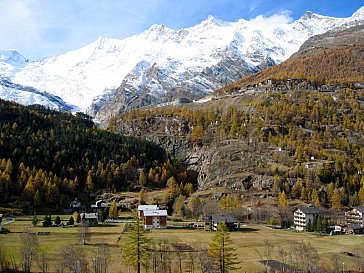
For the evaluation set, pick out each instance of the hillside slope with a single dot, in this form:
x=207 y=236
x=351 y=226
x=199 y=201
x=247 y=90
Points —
x=336 y=57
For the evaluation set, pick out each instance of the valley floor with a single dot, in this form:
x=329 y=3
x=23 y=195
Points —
x=251 y=244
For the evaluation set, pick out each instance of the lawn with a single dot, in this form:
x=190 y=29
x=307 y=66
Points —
x=250 y=243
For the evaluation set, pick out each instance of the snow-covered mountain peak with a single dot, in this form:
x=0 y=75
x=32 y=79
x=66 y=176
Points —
x=12 y=56
x=359 y=13
x=11 y=61
x=161 y=60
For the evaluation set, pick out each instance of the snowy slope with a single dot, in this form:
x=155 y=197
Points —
x=28 y=95
x=160 y=61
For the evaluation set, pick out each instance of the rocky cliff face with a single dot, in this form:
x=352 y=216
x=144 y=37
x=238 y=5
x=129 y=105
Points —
x=231 y=164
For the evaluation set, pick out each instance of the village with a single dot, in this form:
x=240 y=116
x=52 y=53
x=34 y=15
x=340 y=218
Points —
x=156 y=217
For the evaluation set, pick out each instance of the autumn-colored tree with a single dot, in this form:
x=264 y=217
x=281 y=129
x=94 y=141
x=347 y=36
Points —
x=221 y=250
x=136 y=248
x=361 y=195
x=336 y=199
x=194 y=205
x=315 y=200
x=142 y=196
x=282 y=199
x=196 y=134
x=113 y=211
x=142 y=177
x=179 y=205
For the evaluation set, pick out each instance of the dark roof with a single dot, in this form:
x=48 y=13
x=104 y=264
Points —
x=360 y=208
x=355 y=226
x=228 y=218
x=310 y=210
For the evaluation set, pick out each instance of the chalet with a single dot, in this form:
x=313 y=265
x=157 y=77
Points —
x=302 y=216
x=75 y=204
x=91 y=219
x=229 y=220
x=355 y=216
x=155 y=218
x=142 y=208
x=353 y=229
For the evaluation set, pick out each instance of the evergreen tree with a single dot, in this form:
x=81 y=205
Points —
x=37 y=199
x=221 y=250
x=315 y=200
x=142 y=196
x=179 y=205
x=136 y=248
x=336 y=202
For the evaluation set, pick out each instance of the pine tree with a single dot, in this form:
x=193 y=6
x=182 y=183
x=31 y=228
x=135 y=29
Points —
x=142 y=196
x=142 y=177
x=361 y=195
x=336 y=199
x=113 y=211
x=37 y=199
x=136 y=248
x=315 y=200
x=89 y=183
x=179 y=205
x=221 y=250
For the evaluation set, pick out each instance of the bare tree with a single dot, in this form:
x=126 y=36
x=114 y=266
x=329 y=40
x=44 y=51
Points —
x=43 y=261
x=84 y=232
x=100 y=260
x=73 y=258
x=28 y=249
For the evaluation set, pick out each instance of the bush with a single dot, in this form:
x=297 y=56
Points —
x=47 y=221
x=58 y=221
x=71 y=221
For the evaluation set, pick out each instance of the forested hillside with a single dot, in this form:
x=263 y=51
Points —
x=328 y=127
x=48 y=157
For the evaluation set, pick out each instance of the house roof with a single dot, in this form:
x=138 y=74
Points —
x=158 y=212
x=355 y=226
x=310 y=210
x=228 y=218
x=147 y=207
x=360 y=208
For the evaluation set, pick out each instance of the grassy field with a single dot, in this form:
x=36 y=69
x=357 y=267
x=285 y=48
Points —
x=250 y=243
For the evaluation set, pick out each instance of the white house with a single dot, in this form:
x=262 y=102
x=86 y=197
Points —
x=152 y=216
x=303 y=215
x=155 y=219
x=90 y=218
x=354 y=216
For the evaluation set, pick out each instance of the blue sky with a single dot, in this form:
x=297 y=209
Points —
x=43 y=28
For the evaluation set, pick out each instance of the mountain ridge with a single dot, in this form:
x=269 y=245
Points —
x=160 y=62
